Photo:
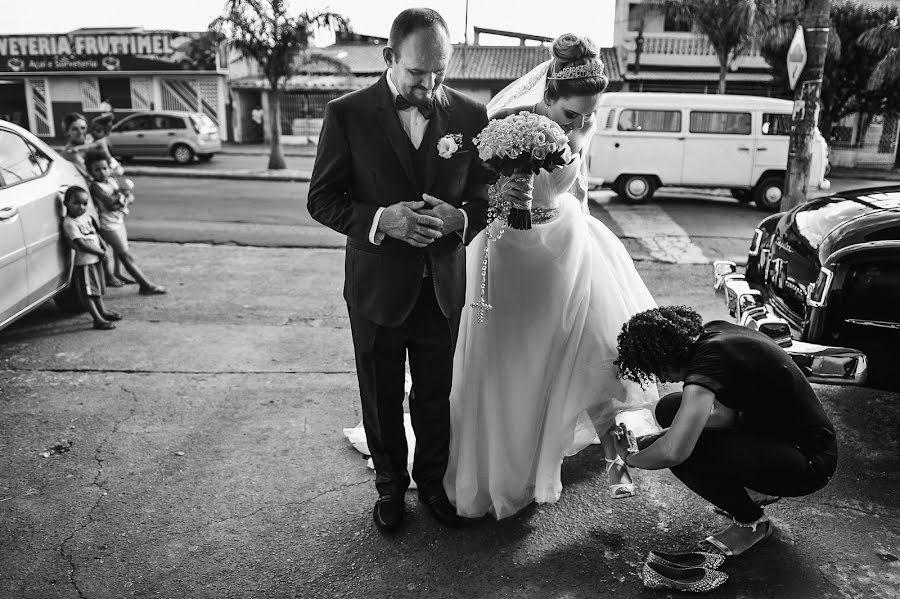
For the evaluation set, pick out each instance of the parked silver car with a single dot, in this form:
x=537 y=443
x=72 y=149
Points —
x=35 y=260
x=181 y=135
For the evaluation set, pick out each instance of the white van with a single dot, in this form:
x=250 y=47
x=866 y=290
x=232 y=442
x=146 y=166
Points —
x=647 y=140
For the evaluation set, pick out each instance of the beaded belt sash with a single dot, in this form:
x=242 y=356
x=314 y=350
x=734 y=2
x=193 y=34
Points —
x=540 y=216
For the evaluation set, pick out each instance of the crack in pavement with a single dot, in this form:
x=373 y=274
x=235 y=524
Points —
x=271 y=506
x=104 y=490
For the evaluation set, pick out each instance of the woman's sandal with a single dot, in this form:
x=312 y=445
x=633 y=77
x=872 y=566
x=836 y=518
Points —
x=687 y=580
x=622 y=490
x=693 y=559
x=115 y=283
x=727 y=551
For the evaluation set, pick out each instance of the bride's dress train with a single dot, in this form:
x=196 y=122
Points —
x=536 y=381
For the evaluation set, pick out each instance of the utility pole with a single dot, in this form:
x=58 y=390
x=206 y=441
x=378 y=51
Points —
x=816 y=22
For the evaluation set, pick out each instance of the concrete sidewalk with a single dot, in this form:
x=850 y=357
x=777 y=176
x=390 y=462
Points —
x=207 y=461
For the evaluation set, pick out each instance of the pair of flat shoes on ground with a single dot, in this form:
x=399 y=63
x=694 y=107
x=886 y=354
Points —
x=695 y=572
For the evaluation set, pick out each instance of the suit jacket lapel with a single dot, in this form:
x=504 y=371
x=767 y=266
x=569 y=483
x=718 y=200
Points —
x=389 y=121
x=437 y=128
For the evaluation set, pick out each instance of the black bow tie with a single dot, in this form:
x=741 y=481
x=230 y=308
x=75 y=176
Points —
x=401 y=103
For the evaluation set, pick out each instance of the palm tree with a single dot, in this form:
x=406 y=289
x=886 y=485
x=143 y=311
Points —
x=884 y=39
x=731 y=26
x=263 y=31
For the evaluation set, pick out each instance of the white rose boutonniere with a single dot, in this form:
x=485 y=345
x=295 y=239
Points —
x=449 y=144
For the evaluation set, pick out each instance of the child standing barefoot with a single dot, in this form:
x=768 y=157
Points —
x=112 y=206
x=88 y=275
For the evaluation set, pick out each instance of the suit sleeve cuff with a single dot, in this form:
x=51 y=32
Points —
x=374 y=228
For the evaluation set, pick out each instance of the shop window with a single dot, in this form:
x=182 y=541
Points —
x=116 y=91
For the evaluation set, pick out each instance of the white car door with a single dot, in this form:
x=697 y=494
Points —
x=719 y=149
x=16 y=171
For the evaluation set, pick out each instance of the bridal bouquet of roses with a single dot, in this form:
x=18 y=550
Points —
x=519 y=146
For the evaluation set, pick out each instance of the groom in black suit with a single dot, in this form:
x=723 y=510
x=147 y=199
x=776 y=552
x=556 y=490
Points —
x=407 y=212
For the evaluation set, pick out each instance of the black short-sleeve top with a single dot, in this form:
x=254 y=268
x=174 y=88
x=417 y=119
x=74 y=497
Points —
x=750 y=373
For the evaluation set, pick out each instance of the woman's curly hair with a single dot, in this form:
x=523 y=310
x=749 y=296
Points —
x=656 y=339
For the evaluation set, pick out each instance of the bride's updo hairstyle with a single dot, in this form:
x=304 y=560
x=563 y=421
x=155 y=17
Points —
x=569 y=52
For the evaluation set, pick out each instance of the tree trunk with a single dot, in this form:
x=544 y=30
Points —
x=816 y=21
x=723 y=71
x=276 y=157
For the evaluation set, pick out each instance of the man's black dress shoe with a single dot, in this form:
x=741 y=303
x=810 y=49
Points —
x=388 y=512
x=441 y=508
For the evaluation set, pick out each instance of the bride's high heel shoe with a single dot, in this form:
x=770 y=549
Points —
x=621 y=490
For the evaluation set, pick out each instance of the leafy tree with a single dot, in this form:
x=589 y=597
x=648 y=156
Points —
x=884 y=39
x=848 y=64
x=265 y=32
x=731 y=26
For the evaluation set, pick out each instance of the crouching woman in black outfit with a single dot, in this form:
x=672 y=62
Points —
x=746 y=418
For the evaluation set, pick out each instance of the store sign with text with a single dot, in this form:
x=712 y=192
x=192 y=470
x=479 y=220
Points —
x=124 y=51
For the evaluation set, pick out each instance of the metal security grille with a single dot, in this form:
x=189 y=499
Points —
x=301 y=113
x=209 y=98
x=90 y=94
x=141 y=93
x=180 y=95
x=191 y=95
x=40 y=107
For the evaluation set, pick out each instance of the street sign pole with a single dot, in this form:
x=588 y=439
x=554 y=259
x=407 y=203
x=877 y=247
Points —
x=806 y=62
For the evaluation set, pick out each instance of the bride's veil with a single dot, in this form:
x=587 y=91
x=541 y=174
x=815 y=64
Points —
x=527 y=89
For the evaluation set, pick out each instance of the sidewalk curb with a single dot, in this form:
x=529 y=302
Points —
x=285 y=175
x=874 y=174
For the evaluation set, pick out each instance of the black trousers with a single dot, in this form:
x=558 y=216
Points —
x=725 y=461
x=429 y=337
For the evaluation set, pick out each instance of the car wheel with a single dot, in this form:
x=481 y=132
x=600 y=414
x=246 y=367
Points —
x=768 y=193
x=205 y=157
x=636 y=189
x=741 y=195
x=68 y=301
x=182 y=154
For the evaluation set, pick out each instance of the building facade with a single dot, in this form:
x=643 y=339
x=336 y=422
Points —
x=45 y=76
x=348 y=65
x=662 y=53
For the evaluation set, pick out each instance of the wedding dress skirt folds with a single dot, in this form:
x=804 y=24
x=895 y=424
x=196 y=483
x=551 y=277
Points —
x=536 y=382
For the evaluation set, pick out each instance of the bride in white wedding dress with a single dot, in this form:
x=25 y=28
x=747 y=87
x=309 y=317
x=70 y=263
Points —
x=536 y=381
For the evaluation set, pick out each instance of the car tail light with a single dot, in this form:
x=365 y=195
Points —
x=756 y=242
x=817 y=294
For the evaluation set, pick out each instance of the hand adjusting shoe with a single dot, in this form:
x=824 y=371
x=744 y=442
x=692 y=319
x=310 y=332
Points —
x=388 y=512
x=441 y=508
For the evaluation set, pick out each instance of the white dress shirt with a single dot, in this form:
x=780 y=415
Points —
x=414 y=124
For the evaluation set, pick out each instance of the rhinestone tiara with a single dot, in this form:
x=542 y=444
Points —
x=592 y=68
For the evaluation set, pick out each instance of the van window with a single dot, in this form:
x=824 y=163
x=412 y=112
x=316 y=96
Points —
x=666 y=121
x=611 y=118
x=732 y=123
x=776 y=124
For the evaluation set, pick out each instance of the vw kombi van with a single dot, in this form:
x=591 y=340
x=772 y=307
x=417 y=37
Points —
x=648 y=140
